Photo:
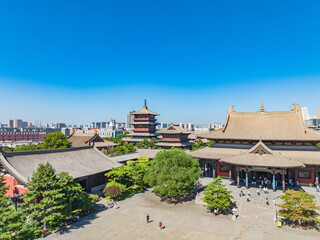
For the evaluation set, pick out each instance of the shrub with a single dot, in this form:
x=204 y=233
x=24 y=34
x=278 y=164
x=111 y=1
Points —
x=114 y=183
x=94 y=198
x=112 y=191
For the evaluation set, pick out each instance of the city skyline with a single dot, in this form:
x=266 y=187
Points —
x=91 y=62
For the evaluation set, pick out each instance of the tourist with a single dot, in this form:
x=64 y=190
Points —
x=262 y=183
x=310 y=184
x=274 y=201
x=248 y=193
x=258 y=192
x=318 y=188
x=160 y=225
x=148 y=217
x=267 y=201
x=248 y=198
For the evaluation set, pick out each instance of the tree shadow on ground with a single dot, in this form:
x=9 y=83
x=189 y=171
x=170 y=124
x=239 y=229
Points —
x=226 y=212
x=179 y=199
x=83 y=222
x=304 y=226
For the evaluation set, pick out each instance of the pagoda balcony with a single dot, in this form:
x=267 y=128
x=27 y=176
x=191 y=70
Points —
x=174 y=139
x=144 y=130
x=144 y=119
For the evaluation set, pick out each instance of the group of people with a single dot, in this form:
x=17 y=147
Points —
x=265 y=190
x=160 y=223
x=112 y=204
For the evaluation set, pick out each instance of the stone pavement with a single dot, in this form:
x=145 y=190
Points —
x=183 y=221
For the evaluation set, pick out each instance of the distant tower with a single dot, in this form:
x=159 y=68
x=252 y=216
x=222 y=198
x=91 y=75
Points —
x=144 y=124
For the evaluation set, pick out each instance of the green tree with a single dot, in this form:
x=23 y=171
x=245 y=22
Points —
x=200 y=144
x=120 y=174
x=172 y=173
x=56 y=140
x=138 y=171
x=318 y=144
x=72 y=190
x=217 y=196
x=146 y=143
x=299 y=206
x=46 y=200
x=5 y=210
x=13 y=225
x=51 y=140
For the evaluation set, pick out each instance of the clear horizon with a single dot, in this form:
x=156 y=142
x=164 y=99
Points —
x=77 y=62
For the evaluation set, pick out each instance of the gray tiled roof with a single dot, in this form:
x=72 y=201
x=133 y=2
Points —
x=78 y=162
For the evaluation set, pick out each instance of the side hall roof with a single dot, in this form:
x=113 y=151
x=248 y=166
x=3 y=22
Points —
x=174 y=129
x=78 y=162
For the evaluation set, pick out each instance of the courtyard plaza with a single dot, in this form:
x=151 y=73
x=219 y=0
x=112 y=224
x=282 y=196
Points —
x=187 y=220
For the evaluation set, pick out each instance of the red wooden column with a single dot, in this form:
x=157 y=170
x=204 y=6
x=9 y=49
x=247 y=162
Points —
x=317 y=176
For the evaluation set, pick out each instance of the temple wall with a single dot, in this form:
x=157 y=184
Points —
x=306 y=180
x=219 y=172
x=14 y=188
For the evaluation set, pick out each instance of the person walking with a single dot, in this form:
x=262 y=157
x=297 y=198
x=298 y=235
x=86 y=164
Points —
x=248 y=198
x=274 y=201
x=267 y=201
x=148 y=218
x=160 y=225
x=258 y=192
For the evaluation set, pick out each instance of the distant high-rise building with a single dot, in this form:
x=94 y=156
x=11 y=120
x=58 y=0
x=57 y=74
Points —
x=17 y=123
x=60 y=125
x=190 y=127
x=24 y=124
x=10 y=123
x=305 y=114
x=130 y=119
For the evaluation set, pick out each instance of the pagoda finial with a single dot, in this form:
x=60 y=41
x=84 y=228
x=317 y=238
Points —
x=145 y=102
x=262 y=108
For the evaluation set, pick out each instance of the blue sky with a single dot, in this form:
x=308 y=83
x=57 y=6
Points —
x=83 y=61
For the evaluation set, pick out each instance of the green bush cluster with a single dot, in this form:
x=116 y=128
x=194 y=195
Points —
x=148 y=144
x=200 y=144
x=112 y=192
x=51 y=141
x=125 y=148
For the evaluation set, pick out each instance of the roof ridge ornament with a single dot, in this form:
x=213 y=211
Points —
x=145 y=103
x=296 y=107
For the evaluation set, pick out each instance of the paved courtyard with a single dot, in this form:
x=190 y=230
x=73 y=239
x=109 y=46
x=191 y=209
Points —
x=187 y=220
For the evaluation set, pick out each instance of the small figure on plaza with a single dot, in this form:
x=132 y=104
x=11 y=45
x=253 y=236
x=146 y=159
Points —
x=258 y=192
x=274 y=201
x=160 y=225
x=267 y=201
x=148 y=217
x=248 y=198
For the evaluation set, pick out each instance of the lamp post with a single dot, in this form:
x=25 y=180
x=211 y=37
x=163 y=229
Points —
x=15 y=199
